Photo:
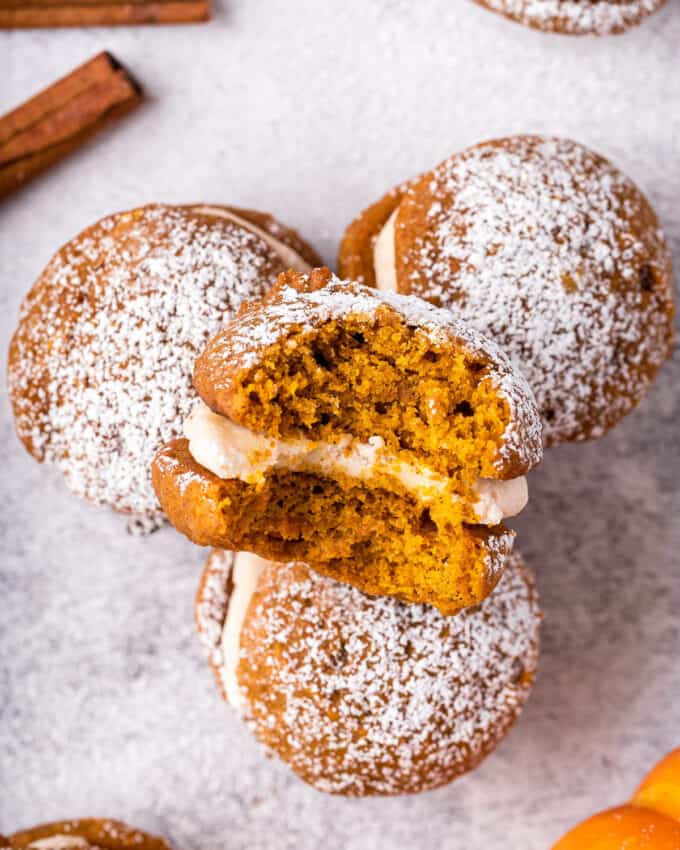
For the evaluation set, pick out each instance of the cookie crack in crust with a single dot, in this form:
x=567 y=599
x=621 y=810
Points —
x=386 y=438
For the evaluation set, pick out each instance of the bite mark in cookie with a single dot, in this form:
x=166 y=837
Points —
x=356 y=431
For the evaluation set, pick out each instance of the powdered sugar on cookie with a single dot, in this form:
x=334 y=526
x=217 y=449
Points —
x=402 y=698
x=89 y=834
x=550 y=250
x=100 y=369
x=577 y=17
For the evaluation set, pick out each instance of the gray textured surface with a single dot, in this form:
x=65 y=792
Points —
x=311 y=110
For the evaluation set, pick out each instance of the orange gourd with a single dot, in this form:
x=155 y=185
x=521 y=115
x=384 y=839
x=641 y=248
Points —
x=650 y=821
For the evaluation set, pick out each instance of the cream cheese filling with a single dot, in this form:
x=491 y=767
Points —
x=289 y=257
x=59 y=842
x=229 y=451
x=244 y=577
x=385 y=256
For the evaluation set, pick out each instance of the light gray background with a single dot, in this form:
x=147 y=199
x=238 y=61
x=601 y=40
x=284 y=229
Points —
x=311 y=109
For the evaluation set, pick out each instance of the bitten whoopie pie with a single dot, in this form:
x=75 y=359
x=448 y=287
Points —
x=100 y=364
x=85 y=834
x=362 y=695
x=576 y=17
x=372 y=436
x=547 y=248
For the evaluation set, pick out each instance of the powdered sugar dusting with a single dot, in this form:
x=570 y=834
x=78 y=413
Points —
x=534 y=242
x=101 y=369
x=370 y=695
x=499 y=547
x=577 y=17
x=250 y=334
x=212 y=601
x=71 y=834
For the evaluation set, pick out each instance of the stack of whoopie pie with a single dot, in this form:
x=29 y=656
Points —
x=350 y=447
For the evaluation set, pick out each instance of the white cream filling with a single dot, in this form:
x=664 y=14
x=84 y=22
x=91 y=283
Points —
x=59 y=842
x=244 y=576
x=385 y=256
x=497 y=500
x=229 y=450
x=289 y=257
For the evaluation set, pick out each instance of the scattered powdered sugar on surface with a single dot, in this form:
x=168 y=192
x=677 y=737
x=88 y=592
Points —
x=381 y=695
x=126 y=320
x=247 y=336
x=600 y=17
x=531 y=242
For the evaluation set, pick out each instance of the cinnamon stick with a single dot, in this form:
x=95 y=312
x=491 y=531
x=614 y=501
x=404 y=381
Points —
x=16 y=14
x=59 y=119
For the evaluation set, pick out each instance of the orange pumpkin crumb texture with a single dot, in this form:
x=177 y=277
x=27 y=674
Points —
x=321 y=358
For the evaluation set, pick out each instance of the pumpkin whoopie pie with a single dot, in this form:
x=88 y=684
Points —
x=576 y=17
x=85 y=834
x=100 y=364
x=372 y=436
x=361 y=695
x=547 y=248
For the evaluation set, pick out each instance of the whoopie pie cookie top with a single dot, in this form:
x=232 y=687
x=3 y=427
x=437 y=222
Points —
x=83 y=834
x=100 y=365
x=547 y=248
x=367 y=695
x=576 y=17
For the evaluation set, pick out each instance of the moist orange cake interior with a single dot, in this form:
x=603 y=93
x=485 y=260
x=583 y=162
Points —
x=430 y=406
x=433 y=406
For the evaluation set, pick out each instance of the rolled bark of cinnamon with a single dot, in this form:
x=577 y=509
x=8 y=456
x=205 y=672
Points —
x=15 y=14
x=53 y=123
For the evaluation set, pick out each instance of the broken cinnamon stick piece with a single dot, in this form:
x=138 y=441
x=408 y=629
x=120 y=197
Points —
x=15 y=14
x=59 y=119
